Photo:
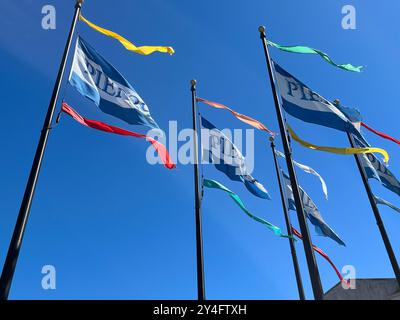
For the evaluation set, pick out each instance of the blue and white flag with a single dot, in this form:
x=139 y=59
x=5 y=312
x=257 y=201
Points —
x=386 y=203
x=303 y=103
x=309 y=170
x=353 y=114
x=99 y=81
x=375 y=169
x=311 y=211
x=227 y=158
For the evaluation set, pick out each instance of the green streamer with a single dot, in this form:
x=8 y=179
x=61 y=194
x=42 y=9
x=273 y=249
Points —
x=308 y=50
x=216 y=185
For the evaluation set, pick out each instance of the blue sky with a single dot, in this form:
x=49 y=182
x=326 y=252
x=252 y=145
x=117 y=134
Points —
x=116 y=227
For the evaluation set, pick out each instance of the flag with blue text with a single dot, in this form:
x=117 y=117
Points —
x=227 y=158
x=375 y=169
x=99 y=81
x=303 y=103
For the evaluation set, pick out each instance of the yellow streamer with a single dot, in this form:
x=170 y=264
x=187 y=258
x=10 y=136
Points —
x=338 y=150
x=145 y=50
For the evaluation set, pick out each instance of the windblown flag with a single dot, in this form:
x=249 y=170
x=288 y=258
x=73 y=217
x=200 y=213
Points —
x=364 y=150
x=355 y=117
x=226 y=157
x=311 y=210
x=323 y=55
x=386 y=203
x=99 y=81
x=303 y=103
x=144 y=50
x=375 y=169
x=353 y=114
x=246 y=119
x=216 y=185
x=98 y=125
x=309 y=170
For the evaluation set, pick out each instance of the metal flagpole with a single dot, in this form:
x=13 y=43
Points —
x=288 y=226
x=199 y=237
x=308 y=249
x=16 y=240
x=375 y=210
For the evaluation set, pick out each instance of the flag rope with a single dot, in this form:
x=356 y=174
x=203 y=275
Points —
x=98 y=125
x=338 y=150
x=216 y=185
x=144 y=50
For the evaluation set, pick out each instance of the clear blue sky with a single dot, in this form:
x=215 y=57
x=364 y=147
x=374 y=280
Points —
x=116 y=227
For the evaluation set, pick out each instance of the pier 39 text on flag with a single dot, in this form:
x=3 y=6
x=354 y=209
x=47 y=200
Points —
x=375 y=169
x=227 y=158
x=303 y=103
x=100 y=82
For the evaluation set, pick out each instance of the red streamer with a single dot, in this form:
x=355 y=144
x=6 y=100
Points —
x=321 y=253
x=98 y=125
x=381 y=134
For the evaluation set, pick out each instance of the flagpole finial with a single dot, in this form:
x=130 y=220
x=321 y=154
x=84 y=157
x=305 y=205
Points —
x=79 y=2
x=261 y=29
x=272 y=139
x=193 y=82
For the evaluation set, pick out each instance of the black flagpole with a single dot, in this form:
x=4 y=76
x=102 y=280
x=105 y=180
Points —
x=375 y=210
x=16 y=241
x=378 y=218
x=288 y=226
x=308 y=249
x=199 y=238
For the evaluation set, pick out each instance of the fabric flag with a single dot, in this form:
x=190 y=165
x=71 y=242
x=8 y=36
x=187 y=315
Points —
x=246 y=119
x=355 y=117
x=386 y=203
x=144 y=50
x=321 y=253
x=369 y=168
x=375 y=169
x=98 y=125
x=303 y=103
x=216 y=185
x=323 y=55
x=353 y=114
x=309 y=170
x=364 y=150
x=311 y=210
x=226 y=157
x=99 y=81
